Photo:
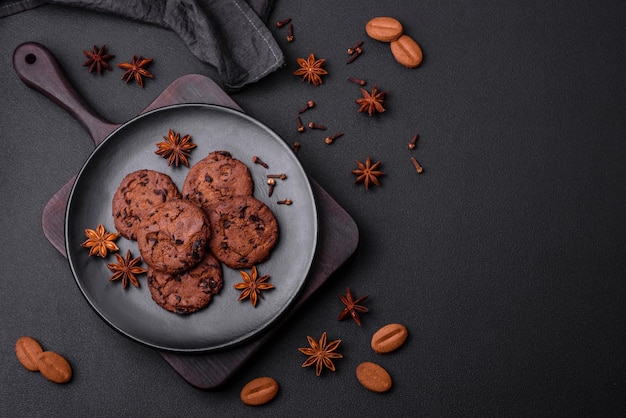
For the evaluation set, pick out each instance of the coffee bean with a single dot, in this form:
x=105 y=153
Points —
x=384 y=29
x=389 y=338
x=27 y=350
x=259 y=391
x=54 y=367
x=373 y=377
x=406 y=51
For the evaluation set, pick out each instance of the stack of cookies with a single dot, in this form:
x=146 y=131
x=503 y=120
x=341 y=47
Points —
x=184 y=237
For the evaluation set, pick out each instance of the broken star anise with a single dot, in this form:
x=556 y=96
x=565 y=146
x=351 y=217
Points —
x=353 y=307
x=367 y=173
x=252 y=286
x=97 y=59
x=371 y=102
x=320 y=353
x=136 y=69
x=175 y=148
x=100 y=242
x=126 y=269
x=311 y=69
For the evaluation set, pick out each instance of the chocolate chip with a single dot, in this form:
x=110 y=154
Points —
x=152 y=237
x=197 y=245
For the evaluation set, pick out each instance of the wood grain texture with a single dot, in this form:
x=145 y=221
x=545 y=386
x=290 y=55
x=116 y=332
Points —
x=338 y=233
x=337 y=240
x=192 y=88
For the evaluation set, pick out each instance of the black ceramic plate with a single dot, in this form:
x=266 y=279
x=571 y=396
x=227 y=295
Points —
x=226 y=321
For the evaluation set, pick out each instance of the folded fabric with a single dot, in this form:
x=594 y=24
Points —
x=10 y=7
x=228 y=35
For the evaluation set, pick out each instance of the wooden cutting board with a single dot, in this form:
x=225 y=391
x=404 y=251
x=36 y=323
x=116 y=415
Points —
x=338 y=234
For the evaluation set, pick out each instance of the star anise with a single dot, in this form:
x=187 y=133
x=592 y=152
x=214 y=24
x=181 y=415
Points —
x=371 y=102
x=100 y=242
x=353 y=307
x=175 y=148
x=136 y=69
x=252 y=286
x=97 y=59
x=126 y=269
x=321 y=353
x=311 y=69
x=367 y=173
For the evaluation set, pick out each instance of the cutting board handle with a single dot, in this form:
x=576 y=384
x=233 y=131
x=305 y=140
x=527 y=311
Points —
x=38 y=69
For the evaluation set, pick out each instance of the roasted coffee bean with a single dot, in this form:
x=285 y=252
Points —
x=384 y=29
x=27 y=350
x=259 y=391
x=373 y=377
x=389 y=338
x=54 y=367
x=406 y=51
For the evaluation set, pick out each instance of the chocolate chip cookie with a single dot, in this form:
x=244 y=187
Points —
x=189 y=291
x=173 y=236
x=135 y=197
x=243 y=231
x=217 y=177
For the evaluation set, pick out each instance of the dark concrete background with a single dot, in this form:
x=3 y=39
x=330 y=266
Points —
x=504 y=259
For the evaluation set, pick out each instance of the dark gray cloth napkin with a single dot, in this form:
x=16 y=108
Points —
x=229 y=35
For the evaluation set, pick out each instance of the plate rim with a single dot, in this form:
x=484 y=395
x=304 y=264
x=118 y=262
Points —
x=243 y=338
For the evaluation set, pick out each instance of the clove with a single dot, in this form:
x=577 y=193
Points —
x=329 y=139
x=356 y=81
x=307 y=106
x=281 y=23
x=271 y=183
x=314 y=125
x=281 y=176
x=355 y=55
x=260 y=162
x=417 y=166
x=356 y=47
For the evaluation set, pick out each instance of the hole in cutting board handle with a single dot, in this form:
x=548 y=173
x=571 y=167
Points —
x=38 y=68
